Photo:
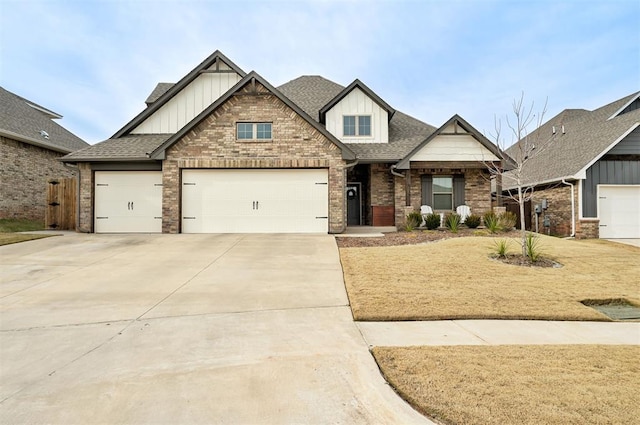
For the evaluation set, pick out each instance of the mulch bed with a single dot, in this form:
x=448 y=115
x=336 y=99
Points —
x=417 y=237
x=426 y=236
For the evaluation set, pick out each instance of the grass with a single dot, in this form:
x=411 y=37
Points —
x=575 y=384
x=10 y=227
x=457 y=279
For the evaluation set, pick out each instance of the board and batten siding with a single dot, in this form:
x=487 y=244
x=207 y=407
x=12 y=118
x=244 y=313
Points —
x=358 y=103
x=630 y=145
x=454 y=147
x=606 y=172
x=187 y=104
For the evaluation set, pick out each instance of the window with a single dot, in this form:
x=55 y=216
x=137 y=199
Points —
x=253 y=131
x=356 y=125
x=442 y=193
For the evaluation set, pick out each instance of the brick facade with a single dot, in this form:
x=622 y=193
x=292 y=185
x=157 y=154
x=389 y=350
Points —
x=558 y=210
x=213 y=144
x=477 y=188
x=85 y=220
x=24 y=174
x=588 y=228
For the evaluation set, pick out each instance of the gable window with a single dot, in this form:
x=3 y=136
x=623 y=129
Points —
x=356 y=125
x=442 y=193
x=253 y=131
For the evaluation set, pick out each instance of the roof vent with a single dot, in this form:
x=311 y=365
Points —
x=553 y=129
x=44 y=134
x=563 y=129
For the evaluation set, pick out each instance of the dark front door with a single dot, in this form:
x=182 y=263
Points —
x=354 y=205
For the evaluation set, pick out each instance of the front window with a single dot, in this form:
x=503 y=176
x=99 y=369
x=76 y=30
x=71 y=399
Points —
x=356 y=125
x=442 y=193
x=253 y=131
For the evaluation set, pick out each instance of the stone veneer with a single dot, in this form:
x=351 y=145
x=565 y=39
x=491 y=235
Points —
x=213 y=144
x=24 y=174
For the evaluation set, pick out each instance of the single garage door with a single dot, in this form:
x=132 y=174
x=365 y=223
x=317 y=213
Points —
x=619 y=211
x=128 y=201
x=255 y=201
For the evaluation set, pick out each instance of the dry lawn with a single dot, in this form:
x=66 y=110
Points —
x=576 y=384
x=457 y=279
x=9 y=238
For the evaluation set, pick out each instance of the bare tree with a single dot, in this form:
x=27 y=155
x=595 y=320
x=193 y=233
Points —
x=527 y=145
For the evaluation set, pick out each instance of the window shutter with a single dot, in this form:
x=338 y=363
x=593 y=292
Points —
x=427 y=191
x=458 y=190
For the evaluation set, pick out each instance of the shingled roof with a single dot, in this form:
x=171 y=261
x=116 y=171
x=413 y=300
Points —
x=21 y=119
x=312 y=93
x=134 y=147
x=580 y=138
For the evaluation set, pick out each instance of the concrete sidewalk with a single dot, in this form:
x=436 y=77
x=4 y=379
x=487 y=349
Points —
x=498 y=332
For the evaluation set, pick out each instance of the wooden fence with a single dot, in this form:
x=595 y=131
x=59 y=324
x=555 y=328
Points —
x=60 y=213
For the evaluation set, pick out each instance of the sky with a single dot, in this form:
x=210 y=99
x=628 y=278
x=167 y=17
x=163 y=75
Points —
x=96 y=61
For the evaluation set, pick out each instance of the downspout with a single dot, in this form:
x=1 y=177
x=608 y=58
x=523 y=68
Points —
x=350 y=165
x=395 y=173
x=573 y=215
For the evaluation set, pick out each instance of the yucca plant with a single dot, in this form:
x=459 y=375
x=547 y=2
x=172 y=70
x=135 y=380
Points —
x=501 y=248
x=452 y=221
x=491 y=221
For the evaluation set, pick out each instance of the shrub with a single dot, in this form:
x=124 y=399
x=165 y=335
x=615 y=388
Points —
x=507 y=220
x=491 y=221
x=472 y=221
x=414 y=219
x=532 y=247
x=452 y=221
x=501 y=248
x=432 y=221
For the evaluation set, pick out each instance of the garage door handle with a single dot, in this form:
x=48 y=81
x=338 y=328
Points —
x=257 y=205
x=132 y=206
x=128 y=205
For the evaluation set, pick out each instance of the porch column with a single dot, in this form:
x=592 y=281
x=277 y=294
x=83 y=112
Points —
x=407 y=188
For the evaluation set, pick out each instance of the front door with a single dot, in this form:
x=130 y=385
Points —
x=354 y=204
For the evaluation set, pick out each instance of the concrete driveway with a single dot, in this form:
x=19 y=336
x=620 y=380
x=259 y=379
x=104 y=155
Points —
x=184 y=329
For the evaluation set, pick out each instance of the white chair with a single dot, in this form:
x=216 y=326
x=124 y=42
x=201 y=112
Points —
x=463 y=211
x=424 y=211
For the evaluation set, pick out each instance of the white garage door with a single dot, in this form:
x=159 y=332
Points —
x=619 y=211
x=128 y=201
x=255 y=201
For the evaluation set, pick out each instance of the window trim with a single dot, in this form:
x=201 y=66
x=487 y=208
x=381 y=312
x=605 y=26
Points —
x=254 y=131
x=434 y=193
x=357 y=126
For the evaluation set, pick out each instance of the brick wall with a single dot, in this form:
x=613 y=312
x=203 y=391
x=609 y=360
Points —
x=477 y=192
x=588 y=228
x=213 y=144
x=24 y=174
x=382 y=192
x=558 y=211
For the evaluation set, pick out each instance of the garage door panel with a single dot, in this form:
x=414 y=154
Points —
x=255 y=201
x=619 y=211
x=128 y=202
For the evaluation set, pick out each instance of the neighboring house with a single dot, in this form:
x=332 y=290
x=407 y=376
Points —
x=31 y=145
x=585 y=169
x=225 y=151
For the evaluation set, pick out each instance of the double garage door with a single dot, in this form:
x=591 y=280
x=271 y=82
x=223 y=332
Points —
x=255 y=201
x=619 y=211
x=216 y=201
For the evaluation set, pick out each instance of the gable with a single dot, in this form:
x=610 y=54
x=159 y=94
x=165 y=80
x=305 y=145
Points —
x=630 y=145
x=456 y=141
x=252 y=85
x=189 y=102
x=357 y=102
x=215 y=137
x=452 y=146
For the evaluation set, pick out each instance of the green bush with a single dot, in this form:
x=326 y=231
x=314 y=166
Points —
x=472 y=221
x=507 y=221
x=432 y=221
x=452 y=221
x=491 y=221
x=414 y=219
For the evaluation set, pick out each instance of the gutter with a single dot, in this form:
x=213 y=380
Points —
x=573 y=212
x=350 y=165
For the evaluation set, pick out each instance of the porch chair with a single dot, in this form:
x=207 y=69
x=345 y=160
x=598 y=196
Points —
x=463 y=211
x=424 y=211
